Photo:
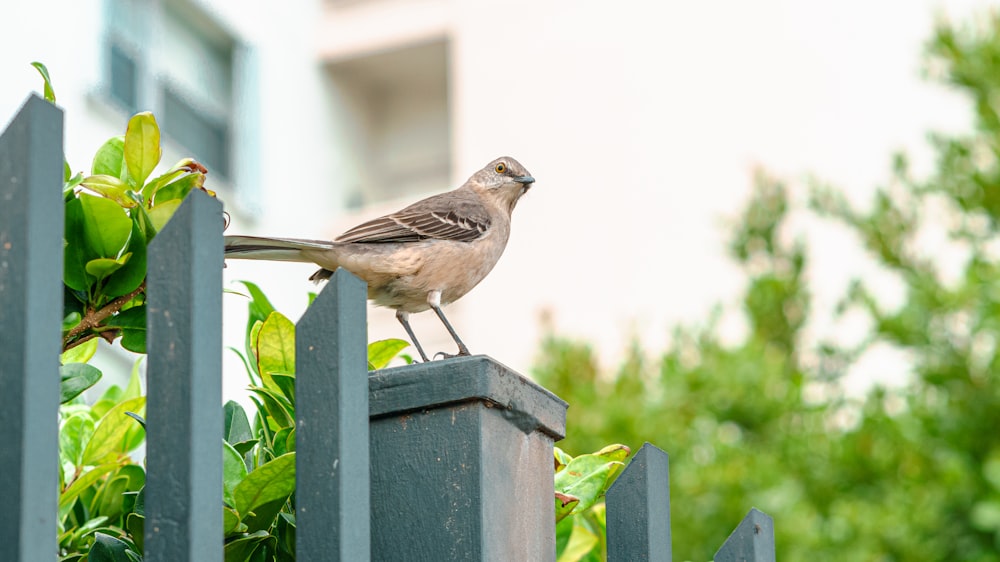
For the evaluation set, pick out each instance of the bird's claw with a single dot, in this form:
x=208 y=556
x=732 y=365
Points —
x=461 y=353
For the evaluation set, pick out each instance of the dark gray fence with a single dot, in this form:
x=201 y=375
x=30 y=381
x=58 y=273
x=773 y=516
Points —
x=450 y=460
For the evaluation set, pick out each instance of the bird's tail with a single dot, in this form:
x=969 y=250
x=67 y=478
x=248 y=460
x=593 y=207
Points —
x=275 y=249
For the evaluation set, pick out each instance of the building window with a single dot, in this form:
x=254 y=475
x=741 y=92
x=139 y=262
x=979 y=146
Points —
x=391 y=110
x=198 y=131
x=123 y=79
x=161 y=57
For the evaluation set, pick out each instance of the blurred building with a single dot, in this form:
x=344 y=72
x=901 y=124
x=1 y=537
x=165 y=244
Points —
x=642 y=122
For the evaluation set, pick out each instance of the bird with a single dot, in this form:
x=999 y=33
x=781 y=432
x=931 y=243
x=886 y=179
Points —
x=422 y=257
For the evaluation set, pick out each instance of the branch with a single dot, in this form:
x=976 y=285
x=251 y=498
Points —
x=94 y=318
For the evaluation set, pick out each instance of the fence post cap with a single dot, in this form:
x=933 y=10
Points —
x=423 y=386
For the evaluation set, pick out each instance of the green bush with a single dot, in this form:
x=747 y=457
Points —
x=908 y=473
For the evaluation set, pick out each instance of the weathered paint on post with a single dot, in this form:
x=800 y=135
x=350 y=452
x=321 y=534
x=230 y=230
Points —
x=331 y=420
x=752 y=541
x=638 y=509
x=462 y=465
x=31 y=271
x=184 y=404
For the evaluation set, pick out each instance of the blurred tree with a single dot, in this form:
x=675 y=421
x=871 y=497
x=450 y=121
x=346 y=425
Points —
x=904 y=474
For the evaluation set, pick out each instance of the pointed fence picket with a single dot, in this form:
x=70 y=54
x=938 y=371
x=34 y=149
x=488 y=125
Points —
x=450 y=460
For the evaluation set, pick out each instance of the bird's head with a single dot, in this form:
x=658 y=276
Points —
x=504 y=179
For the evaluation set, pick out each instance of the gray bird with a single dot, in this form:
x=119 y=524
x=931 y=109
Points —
x=425 y=256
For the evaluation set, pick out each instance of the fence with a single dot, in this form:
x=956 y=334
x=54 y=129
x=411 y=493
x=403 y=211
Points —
x=449 y=460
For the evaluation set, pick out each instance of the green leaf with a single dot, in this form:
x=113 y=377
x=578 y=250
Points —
x=110 y=187
x=252 y=333
x=139 y=419
x=263 y=516
x=562 y=458
x=109 y=438
x=110 y=498
x=132 y=318
x=238 y=432
x=234 y=470
x=74 y=435
x=178 y=189
x=280 y=442
x=79 y=354
x=231 y=522
x=108 y=549
x=75 y=378
x=134 y=387
x=286 y=385
x=273 y=481
x=276 y=406
x=76 y=253
x=381 y=352
x=70 y=494
x=260 y=306
x=175 y=172
x=113 y=394
x=244 y=447
x=237 y=425
x=582 y=541
x=588 y=477
x=136 y=525
x=139 y=507
x=49 y=92
x=258 y=309
x=243 y=548
x=70 y=183
x=106 y=225
x=135 y=435
x=134 y=340
x=131 y=275
x=110 y=160
x=132 y=322
x=103 y=267
x=70 y=321
x=142 y=147
x=565 y=504
x=275 y=348
x=564 y=529
x=286 y=533
x=161 y=213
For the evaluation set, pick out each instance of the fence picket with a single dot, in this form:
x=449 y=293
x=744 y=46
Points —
x=31 y=228
x=638 y=504
x=184 y=394
x=331 y=420
x=751 y=541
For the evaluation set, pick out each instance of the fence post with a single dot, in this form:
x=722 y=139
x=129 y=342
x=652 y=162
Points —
x=31 y=266
x=184 y=380
x=331 y=421
x=751 y=541
x=638 y=503
x=462 y=465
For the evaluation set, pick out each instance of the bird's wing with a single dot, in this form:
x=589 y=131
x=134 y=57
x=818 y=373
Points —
x=458 y=215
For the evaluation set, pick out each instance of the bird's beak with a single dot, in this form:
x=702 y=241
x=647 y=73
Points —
x=526 y=180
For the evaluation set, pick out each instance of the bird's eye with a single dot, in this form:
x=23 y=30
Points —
x=501 y=168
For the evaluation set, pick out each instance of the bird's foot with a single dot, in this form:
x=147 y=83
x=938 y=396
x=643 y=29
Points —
x=463 y=352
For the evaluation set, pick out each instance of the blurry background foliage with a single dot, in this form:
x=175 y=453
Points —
x=908 y=473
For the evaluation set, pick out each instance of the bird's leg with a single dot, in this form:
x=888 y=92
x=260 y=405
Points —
x=404 y=319
x=434 y=299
